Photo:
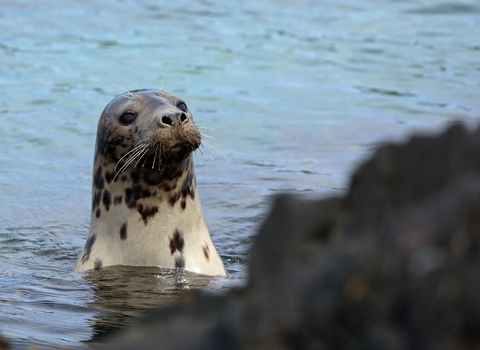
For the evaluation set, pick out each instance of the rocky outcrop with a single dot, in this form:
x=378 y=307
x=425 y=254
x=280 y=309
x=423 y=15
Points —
x=394 y=264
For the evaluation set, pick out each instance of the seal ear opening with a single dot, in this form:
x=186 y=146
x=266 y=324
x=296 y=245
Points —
x=127 y=118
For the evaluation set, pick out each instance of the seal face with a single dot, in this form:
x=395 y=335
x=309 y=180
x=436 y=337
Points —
x=145 y=205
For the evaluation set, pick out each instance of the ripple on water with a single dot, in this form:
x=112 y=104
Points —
x=298 y=93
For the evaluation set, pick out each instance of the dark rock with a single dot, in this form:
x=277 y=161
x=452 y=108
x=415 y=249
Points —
x=4 y=344
x=392 y=265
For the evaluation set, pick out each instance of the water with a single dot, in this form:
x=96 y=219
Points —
x=298 y=91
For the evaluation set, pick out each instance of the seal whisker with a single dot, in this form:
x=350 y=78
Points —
x=204 y=128
x=206 y=153
x=154 y=157
x=131 y=159
x=214 y=143
x=201 y=149
x=132 y=95
x=143 y=164
x=145 y=151
x=161 y=83
x=139 y=144
x=145 y=138
x=213 y=147
x=197 y=157
x=213 y=139
x=136 y=148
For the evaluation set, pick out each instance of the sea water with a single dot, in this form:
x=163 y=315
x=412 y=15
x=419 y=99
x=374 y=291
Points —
x=299 y=92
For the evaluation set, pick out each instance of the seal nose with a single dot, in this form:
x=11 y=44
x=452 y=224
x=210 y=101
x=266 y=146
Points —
x=172 y=119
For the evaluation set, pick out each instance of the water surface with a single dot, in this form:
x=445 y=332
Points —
x=299 y=92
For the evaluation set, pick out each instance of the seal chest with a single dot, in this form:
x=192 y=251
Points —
x=145 y=205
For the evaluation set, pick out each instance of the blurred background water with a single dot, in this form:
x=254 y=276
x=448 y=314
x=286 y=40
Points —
x=298 y=91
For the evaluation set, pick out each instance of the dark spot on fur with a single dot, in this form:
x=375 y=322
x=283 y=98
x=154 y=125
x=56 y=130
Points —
x=98 y=213
x=96 y=199
x=173 y=199
x=101 y=134
x=117 y=200
x=146 y=212
x=168 y=186
x=137 y=192
x=123 y=232
x=206 y=252
x=111 y=144
x=124 y=178
x=107 y=199
x=129 y=200
x=180 y=262
x=176 y=242
x=98 y=181
x=108 y=176
x=98 y=264
x=88 y=248
x=187 y=186
x=133 y=194
x=186 y=189
x=135 y=176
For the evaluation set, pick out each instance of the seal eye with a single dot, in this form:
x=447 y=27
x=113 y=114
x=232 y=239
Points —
x=127 y=118
x=182 y=106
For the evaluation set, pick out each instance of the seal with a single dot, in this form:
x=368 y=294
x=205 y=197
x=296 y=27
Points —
x=146 y=209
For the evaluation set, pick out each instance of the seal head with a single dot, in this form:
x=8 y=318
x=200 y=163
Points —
x=145 y=205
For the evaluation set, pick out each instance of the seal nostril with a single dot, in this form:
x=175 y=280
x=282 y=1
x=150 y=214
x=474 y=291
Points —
x=183 y=118
x=167 y=120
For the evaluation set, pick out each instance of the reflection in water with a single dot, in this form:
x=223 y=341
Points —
x=121 y=292
x=298 y=92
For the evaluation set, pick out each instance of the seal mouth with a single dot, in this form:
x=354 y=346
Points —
x=179 y=151
x=178 y=148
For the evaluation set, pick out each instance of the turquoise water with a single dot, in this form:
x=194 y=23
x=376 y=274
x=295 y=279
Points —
x=298 y=92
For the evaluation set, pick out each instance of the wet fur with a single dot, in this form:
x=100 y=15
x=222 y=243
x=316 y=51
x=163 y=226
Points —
x=144 y=198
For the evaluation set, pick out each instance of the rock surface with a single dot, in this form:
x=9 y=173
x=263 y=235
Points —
x=394 y=264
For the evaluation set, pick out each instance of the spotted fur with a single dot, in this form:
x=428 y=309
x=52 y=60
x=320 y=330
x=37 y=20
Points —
x=96 y=200
x=109 y=177
x=206 y=252
x=107 y=199
x=145 y=204
x=117 y=200
x=146 y=212
x=176 y=242
x=123 y=232
x=88 y=248
x=98 y=264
